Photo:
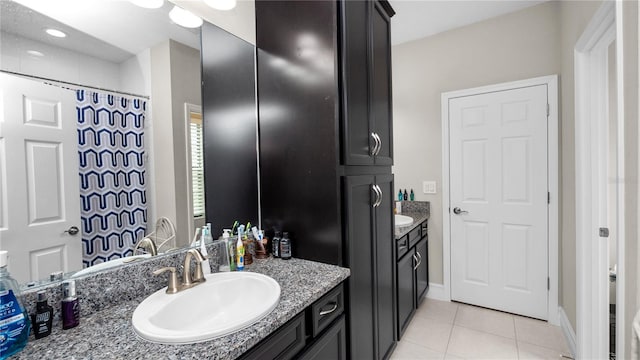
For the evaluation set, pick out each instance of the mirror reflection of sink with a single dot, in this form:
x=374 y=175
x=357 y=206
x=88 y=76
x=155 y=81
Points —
x=110 y=264
x=225 y=303
x=403 y=220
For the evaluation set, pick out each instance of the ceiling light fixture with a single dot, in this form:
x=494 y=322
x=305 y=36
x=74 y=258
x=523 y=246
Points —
x=184 y=18
x=35 y=53
x=221 y=4
x=148 y=4
x=55 y=33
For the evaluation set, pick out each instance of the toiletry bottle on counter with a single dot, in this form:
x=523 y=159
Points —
x=42 y=318
x=14 y=321
x=400 y=196
x=285 y=246
x=412 y=196
x=239 y=252
x=70 y=305
x=405 y=197
x=275 y=244
x=204 y=240
x=226 y=238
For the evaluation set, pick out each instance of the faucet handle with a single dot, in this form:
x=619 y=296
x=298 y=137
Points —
x=172 y=287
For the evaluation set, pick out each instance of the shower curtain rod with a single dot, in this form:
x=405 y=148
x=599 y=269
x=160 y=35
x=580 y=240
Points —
x=58 y=82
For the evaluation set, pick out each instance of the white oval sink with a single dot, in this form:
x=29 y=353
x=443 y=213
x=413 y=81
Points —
x=225 y=303
x=110 y=264
x=403 y=220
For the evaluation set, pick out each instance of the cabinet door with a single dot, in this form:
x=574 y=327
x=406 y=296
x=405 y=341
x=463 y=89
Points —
x=359 y=220
x=381 y=83
x=357 y=141
x=422 y=272
x=406 y=294
x=332 y=345
x=385 y=266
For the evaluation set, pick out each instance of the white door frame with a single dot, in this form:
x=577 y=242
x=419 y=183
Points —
x=552 y=182
x=591 y=123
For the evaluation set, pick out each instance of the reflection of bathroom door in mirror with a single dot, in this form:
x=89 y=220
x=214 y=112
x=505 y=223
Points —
x=39 y=192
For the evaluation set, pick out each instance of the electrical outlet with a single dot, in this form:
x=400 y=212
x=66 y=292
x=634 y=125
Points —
x=429 y=187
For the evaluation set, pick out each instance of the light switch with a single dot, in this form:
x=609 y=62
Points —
x=429 y=187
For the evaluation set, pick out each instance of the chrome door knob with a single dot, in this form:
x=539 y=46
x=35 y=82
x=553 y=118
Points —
x=72 y=230
x=459 y=211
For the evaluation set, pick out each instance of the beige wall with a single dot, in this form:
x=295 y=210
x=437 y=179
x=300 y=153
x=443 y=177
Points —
x=630 y=115
x=511 y=47
x=175 y=70
x=574 y=17
x=533 y=42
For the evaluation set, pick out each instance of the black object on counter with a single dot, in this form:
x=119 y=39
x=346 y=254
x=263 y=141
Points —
x=43 y=317
x=285 y=247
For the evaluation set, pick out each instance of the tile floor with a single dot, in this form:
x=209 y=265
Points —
x=451 y=331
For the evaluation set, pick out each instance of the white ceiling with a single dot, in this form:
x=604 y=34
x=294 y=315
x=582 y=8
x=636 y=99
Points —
x=416 y=19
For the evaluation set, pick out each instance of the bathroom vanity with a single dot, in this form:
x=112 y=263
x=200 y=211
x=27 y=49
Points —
x=412 y=262
x=307 y=322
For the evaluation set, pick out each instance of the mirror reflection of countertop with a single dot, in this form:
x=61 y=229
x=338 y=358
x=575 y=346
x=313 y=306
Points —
x=418 y=210
x=109 y=334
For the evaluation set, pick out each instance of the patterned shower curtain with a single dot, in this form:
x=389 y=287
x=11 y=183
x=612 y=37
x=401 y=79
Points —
x=112 y=175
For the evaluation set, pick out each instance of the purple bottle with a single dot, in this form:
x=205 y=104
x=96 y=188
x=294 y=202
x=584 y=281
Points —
x=70 y=305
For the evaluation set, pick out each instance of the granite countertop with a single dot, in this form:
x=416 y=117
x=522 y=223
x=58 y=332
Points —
x=418 y=210
x=108 y=334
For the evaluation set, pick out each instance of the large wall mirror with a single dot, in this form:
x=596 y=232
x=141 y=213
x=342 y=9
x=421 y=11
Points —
x=116 y=83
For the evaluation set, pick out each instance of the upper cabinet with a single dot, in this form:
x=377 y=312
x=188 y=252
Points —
x=365 y=78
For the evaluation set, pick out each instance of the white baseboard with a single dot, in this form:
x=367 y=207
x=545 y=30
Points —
x=567 y=330
x=436 y=292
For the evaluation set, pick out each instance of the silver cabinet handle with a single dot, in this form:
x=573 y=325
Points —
x=458 y=211
x=327 y=312
x=375 y=144
x=379 y=141
x=415 y=267
x=379 y=191
x=419 y=259
x=72 y=230
x=375 y=190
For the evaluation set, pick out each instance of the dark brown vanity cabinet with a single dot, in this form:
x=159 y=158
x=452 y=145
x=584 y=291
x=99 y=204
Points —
x=412 y=274
x=324 y=86
x=318 y=332
x=369 y=227
x=367 y=136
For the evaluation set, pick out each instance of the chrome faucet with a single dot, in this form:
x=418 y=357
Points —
x=187 y=280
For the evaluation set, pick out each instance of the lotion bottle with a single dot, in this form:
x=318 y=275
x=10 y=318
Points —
x=70 y=305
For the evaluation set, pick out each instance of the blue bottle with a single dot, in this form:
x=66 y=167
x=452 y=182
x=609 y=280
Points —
x=14 y=321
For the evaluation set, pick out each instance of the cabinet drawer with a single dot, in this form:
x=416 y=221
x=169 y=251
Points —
x=423 y=229
x=326 y=309
x=414 y=236
x=285 y=343
x=402 y=246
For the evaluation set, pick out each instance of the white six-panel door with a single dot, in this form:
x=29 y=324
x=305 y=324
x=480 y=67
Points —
x=39 y=193
x=498 y=200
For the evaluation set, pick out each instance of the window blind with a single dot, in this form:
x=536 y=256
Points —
x=197 y=165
